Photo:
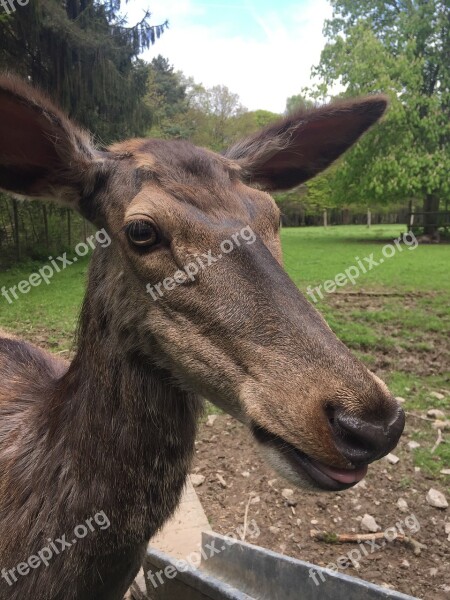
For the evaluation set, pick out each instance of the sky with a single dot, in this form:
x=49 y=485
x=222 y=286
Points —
x=262 y=50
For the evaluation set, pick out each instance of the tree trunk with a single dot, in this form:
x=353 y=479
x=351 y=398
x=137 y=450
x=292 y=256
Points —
x=15 y=206
x=411 y=214
x=430 y=217
x=45 y=219
x=69 y=227
x=345 y=216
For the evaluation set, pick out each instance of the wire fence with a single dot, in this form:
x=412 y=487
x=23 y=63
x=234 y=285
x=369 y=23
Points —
x=36 y=230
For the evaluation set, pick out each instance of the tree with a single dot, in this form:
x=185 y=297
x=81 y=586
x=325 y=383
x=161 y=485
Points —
x=219 y=106
x=212 y=117
x=206 y=116
x=297 y=102
x=84 y=54
x=263 y=118
x=402 y=49
x=167 y=99
x=248 y=122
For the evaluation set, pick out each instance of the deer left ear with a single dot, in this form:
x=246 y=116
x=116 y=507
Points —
x=42 y=154
x=295 y=149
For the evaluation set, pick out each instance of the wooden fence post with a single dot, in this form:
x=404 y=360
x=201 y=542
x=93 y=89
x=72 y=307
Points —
x=69 y=227
x=16 y=228
x=45 y=219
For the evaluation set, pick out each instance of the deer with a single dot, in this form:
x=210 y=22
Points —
x=113 y=430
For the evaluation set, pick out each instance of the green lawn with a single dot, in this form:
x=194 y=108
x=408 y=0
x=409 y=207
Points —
x=50 y=311
x=399 y=324
x=404 y=333
x=314 y=254
x=413 y=307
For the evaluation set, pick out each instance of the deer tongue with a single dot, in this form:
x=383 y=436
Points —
x=343 y=475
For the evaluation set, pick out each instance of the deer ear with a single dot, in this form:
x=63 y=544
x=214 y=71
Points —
x=295 y=149
x=42 y=154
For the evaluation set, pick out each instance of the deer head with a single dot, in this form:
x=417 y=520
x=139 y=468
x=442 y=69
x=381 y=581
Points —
x=237 y=330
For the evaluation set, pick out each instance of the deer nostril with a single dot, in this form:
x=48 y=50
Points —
x=361 y=441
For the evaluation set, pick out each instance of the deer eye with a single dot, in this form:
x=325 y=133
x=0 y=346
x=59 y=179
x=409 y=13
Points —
x=143 y=234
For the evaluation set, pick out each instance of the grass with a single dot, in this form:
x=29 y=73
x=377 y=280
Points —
x=412 y=322
x=314 y=254
x=49 y=308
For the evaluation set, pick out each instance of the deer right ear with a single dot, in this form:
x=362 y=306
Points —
x=42 y=154
x=305 y=143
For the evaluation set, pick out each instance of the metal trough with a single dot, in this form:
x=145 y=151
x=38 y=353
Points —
x=232 y=570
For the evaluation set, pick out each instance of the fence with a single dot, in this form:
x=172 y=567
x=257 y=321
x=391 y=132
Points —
x=299 y=217
x=433 y=220
x=35 y=230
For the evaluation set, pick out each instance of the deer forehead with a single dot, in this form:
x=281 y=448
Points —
x=150 y=201
x=173 y=157
x=171 y=202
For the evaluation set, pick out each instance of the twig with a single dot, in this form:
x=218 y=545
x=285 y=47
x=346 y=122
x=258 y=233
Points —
x=410 y=414
x=222 y=481
x=438 y=441
x=356 y=538
x=246 y=519
x=344 y=538
x=378 y=294
x=415 y=545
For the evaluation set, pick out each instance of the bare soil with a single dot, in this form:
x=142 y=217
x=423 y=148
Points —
x=407 y=354
x=226 y=449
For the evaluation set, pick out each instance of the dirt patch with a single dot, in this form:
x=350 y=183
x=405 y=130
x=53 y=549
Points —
x=47 y=338
x=411 y=350
x=226 y=449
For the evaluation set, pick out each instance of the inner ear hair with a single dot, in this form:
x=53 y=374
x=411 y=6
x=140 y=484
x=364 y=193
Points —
x=42 y=153
x=305 y=143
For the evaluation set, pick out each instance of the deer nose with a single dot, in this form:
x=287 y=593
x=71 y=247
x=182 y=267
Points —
x=361 y=441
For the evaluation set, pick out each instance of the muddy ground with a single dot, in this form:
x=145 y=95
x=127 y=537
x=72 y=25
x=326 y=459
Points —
x=236 y=477
x=226 y=449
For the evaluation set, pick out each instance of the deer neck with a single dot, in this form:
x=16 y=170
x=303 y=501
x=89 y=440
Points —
x=130 y=432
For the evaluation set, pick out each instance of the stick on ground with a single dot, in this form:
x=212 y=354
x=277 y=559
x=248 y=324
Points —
x=356 y=538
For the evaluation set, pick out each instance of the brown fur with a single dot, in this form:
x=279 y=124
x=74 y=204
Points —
x=114 y=430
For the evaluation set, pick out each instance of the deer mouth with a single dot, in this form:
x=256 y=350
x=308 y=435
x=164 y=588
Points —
x=322 y=476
